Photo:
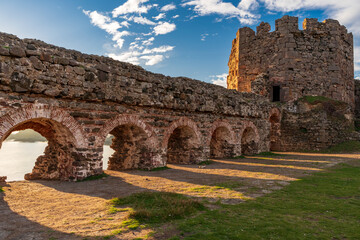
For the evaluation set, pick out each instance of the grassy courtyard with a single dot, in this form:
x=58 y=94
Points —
x=325 y=205
x=268 y=196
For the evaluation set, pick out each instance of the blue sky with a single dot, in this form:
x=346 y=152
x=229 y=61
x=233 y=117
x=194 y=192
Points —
x=189 y=38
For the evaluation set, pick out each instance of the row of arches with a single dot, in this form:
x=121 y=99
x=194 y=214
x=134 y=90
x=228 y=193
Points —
x=135 y=143
x=182 y=143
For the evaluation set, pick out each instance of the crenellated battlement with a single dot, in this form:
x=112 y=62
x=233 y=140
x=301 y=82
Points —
x=288 y=24
x=317 y=60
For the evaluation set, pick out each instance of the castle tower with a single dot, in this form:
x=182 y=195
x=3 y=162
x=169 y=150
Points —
x=289 y=63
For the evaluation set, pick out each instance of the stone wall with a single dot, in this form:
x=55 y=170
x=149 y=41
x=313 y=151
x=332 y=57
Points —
x=33 y=67
x=357 y=104
x=315 y=61
x=75 y=100
x=315 y=125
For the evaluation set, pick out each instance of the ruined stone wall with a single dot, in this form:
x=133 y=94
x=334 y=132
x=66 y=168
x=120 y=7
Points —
x=315 y=125
x=75 y=100
x=315 y=61
x=33 y=67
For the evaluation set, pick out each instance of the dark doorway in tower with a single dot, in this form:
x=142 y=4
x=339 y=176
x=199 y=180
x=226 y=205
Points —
x=276 y=93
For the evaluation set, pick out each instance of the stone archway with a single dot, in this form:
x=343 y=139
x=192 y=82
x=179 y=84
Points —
x=57 y=162
x=182 y=142
x=249 y=139
x=60 y=158
x=221 y=140
x=134 y=143
x=129 y=144
x=275 y=131
x=34 y=111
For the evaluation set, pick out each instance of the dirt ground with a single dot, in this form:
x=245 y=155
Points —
x=79 y=210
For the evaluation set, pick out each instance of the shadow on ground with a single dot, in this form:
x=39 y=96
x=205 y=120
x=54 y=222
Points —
x=68 y=210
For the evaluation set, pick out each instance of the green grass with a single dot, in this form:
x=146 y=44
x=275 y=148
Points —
x=316 y=99
x=158 y=207
x=94 y=177
x=264 y=154
x=1 y=190
x=229 y=185
x=207 y=162
x=323 y=206
x=117 y=231
x=158 y=169
x=267 y=154
x=345 y=147
x=131 y=224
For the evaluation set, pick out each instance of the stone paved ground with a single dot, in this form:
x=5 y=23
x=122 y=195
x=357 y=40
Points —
x=68 y=210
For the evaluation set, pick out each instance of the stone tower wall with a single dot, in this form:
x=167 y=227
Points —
x=357 y=104
x=315 y=61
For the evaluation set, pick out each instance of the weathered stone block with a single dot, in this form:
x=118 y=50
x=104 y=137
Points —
x=17 y=51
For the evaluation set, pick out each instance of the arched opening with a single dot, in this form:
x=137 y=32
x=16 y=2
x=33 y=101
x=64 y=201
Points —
x=130 y=148
x=220 y=146
x=248 y=142
x=183 y=146
x=56 y=163
x=19 y=152
x=274 y=132
x=107 y=151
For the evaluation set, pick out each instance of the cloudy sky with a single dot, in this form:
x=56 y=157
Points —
x=189 y=38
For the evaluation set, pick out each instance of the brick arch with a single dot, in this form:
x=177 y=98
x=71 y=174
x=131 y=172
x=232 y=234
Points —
x=182 y=122
x=275 y=111
x=247 y=125
x=221 y=123
x=123 y=120
x=40 y=111
x=221 y=140
x=135 y=143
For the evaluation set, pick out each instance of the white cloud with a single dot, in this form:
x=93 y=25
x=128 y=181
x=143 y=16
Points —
x=117 y=37
x=132 y=6
x=138 y=51
x=176 y=16
x=164 y=28
x=103 y=22
x=357 y=58
x=219 y=79
x=160 y=16
x=152 y=59
x=109 y=25
x=148 y=42
x=204 y=36
x=168 y=7
x=130 y=56
x=161 y=49
x=226 y=9
x=125 y=24
x=143 y=21
x=248 y=4
x=148 y=57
